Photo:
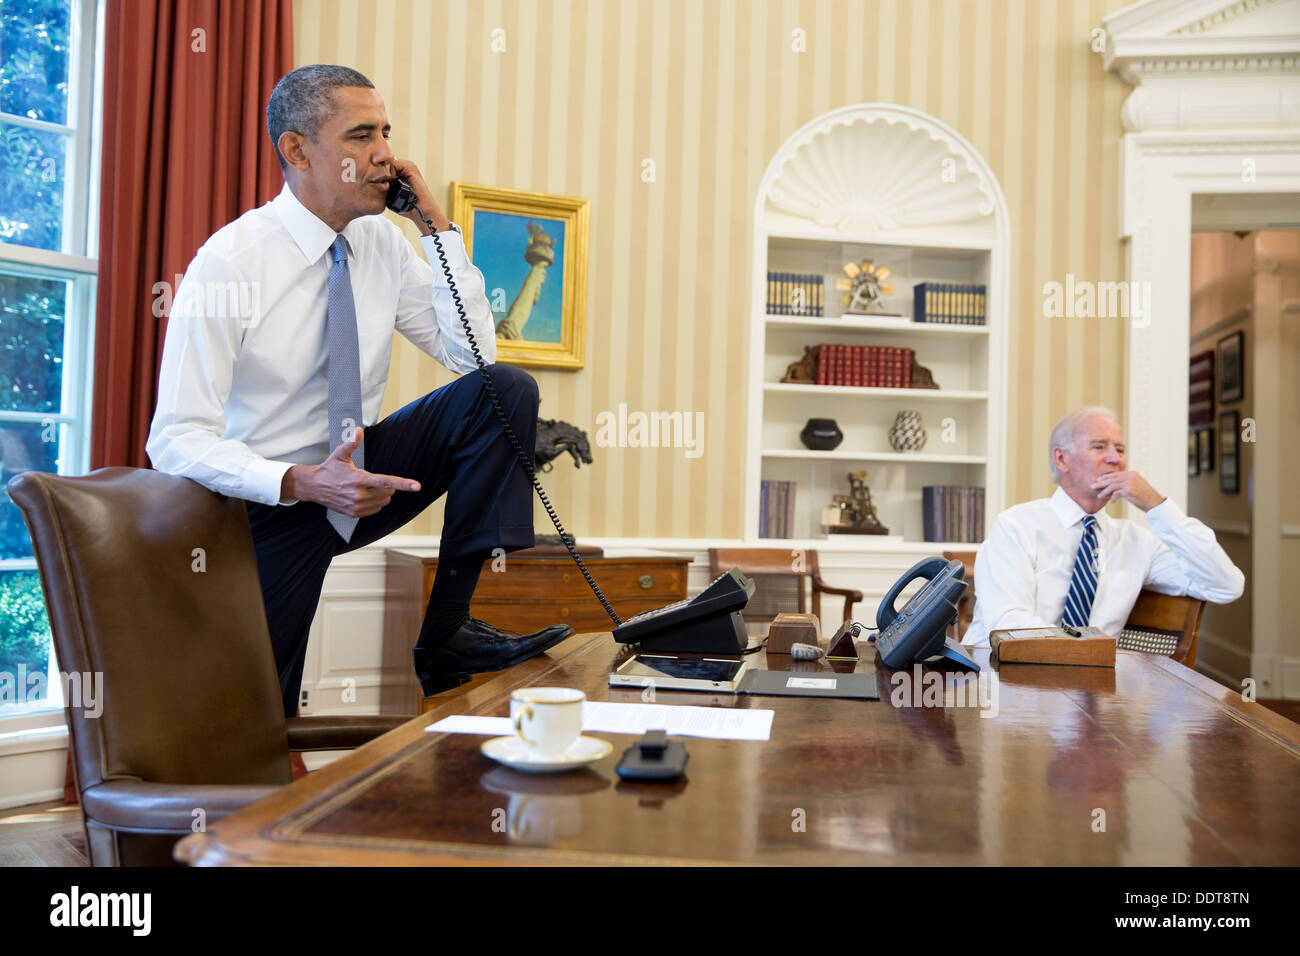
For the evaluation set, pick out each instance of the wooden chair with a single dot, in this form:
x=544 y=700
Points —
x=966 y=603
x=777 y=583
x=1163 y=624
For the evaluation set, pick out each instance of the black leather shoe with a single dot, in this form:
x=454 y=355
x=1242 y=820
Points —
x=477 y=647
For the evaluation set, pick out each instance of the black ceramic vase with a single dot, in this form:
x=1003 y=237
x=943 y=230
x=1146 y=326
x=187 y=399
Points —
x=821 y=434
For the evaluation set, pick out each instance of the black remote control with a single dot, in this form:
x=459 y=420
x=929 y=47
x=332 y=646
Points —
x=654 y=757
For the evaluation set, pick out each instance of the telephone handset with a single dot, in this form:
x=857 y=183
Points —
x=719 y=630
x=918 y=631
x=401 y=197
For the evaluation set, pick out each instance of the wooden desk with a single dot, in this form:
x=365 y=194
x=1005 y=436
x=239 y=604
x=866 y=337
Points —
x=1184 y=770
x=536 y=592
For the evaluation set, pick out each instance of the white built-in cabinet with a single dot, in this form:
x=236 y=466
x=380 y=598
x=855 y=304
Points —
x=891 y=184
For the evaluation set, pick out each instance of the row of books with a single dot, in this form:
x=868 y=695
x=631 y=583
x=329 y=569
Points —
x=795 y=293
x=870 y=366
x=952 y=513
x=776 y=509
x=948 y=302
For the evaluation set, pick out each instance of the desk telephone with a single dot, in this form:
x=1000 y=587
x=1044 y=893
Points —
x=919 y=630
x=711 y=622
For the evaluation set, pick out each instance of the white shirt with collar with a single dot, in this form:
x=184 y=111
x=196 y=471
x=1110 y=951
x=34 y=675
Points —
x=1023 y=568
x=242 y=387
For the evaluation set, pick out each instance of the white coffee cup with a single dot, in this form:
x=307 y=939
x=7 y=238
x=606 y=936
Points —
x=548 y=719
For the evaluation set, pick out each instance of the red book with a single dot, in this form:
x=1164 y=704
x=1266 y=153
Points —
x=823 y=362
x=855 y=365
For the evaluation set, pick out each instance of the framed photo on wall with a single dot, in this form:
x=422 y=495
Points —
x=1232 y=372
x=1229 y=454
x=1200 y=388
x=1193 y=461
x=1205 y=448
x=532 y=251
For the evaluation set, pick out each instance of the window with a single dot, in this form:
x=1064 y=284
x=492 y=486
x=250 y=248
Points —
x=49 y=167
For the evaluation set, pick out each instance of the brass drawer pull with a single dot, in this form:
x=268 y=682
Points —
x=646 y=581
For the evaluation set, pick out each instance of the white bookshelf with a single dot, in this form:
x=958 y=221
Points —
x=890 y=184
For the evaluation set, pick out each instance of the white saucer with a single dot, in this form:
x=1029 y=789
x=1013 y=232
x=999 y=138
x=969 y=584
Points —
x=516 y=754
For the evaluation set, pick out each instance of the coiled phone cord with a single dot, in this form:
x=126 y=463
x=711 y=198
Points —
x=524 y=459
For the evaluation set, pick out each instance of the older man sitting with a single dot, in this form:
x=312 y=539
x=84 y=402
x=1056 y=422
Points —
x=1062 y=561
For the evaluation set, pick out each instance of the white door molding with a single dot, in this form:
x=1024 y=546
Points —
x=1215 y=110
x=1161 y=173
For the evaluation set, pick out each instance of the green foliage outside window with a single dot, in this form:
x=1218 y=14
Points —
x=34 y=37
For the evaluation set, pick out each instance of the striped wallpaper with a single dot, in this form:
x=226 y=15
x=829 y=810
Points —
x=586 y=90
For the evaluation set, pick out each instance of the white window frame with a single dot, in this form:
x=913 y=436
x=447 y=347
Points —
x=79 y=266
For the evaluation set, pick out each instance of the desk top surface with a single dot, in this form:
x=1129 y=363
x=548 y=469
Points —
x=1148 y=763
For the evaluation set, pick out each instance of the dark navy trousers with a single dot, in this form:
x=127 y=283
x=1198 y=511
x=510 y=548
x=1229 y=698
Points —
x=451 y=442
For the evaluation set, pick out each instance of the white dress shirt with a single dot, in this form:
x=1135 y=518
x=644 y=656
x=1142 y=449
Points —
x=1023 y=569
x=242 y=389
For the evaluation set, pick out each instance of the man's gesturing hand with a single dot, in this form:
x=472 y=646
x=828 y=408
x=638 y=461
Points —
x=341 y=486
x=1128 y=485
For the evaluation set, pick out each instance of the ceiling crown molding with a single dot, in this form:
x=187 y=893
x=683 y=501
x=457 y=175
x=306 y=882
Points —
x=1206 y=63
x=1219 y=17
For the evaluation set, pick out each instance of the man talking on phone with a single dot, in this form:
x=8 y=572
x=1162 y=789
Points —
x=273 y=371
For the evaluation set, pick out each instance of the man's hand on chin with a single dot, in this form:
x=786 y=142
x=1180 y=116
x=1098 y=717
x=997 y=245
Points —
x=1128 y=485
x=341 y=486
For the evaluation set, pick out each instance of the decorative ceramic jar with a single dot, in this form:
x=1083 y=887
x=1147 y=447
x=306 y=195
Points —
x=821 y=434
x=908 y=432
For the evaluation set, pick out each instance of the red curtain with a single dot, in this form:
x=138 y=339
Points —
x=185 y=151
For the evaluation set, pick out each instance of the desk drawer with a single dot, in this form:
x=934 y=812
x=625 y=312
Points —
x=534 y=593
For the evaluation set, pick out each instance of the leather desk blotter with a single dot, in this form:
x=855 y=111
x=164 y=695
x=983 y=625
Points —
x=1053 y=645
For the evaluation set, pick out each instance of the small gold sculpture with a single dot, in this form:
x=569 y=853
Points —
x=865 y=285
x=856 y=513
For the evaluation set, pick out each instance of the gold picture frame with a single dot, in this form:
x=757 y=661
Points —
x=516 y=239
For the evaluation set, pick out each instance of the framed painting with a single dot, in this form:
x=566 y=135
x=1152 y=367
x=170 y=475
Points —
x=532 y=251
x=1200 y=389
x=1193 y=461
x=1205 y=438
x=1229 y=453
x=1232 y=375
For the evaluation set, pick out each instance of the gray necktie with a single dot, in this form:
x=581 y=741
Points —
x=344 y=372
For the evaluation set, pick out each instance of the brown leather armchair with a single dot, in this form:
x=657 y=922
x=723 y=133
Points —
x=151 y=585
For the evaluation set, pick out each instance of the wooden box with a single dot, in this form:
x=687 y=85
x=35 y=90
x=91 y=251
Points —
x=788 y=629
x=1051 y=645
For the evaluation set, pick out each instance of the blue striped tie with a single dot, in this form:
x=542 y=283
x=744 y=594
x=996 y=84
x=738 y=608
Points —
x=1083 y=583
x=344 y=374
